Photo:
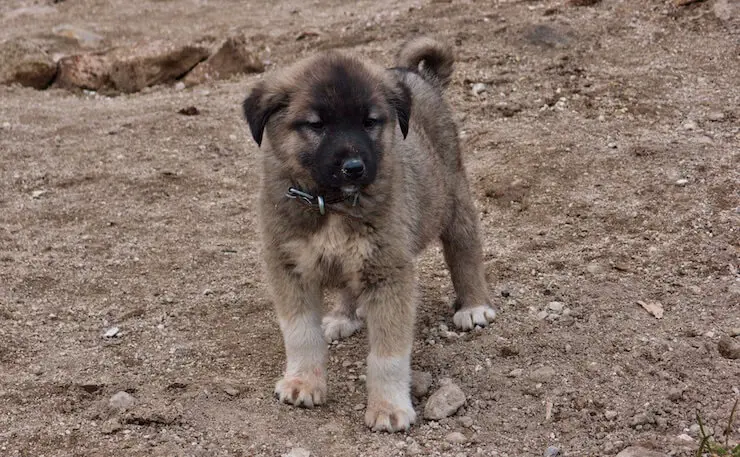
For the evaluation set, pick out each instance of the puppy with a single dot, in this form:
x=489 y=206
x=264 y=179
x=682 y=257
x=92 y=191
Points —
x=361 y=170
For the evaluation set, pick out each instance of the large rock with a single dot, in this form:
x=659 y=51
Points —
x=154 y=63
x=234 y=57
x=444 y=402
x=130 y=69
x=25 y=63
x=84 y=71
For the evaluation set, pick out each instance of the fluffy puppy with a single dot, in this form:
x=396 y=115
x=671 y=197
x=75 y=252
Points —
x=361 y=170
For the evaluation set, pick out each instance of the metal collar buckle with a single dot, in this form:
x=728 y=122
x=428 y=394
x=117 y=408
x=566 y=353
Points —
x=307 y=198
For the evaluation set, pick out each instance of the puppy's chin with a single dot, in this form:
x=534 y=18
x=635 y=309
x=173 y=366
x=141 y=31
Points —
x=349 y=190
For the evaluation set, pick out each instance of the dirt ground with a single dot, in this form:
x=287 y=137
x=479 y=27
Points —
x=604 y=155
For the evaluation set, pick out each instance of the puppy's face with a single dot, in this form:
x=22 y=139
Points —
x=329 y=120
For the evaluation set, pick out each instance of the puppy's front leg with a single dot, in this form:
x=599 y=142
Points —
x=390 y=303
x=298 y=306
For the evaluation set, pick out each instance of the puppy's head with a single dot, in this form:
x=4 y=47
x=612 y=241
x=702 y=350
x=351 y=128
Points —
x=329 y=119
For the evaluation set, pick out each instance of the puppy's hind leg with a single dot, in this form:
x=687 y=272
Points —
x=464 y=257
x=298 y=306
x=343 y=320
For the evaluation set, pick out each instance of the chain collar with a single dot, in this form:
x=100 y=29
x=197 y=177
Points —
x=319 y=201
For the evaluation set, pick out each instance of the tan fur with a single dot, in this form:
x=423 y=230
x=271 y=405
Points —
x=420 y=194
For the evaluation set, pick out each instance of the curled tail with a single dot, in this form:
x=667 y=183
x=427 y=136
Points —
x=431 y=59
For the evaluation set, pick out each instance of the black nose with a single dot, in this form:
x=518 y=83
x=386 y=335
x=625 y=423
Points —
x=353 y=168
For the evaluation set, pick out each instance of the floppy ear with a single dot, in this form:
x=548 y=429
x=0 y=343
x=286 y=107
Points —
x=258 y=107
x=400 y=100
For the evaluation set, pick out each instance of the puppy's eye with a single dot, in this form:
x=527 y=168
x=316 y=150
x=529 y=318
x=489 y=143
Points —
x=315 y=125
x=371 y=122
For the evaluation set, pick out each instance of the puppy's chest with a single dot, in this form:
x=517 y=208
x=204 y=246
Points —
x=333 y=255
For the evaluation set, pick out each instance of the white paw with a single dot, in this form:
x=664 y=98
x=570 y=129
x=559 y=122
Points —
x=337 y=326
x=383 y=416
x=468 y=318
x=306 y=391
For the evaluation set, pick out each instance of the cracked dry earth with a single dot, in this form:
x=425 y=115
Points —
x=603 y=152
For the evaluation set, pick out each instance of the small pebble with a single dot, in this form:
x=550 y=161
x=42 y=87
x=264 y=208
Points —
x=231 y=391
x=695 y=430
x=682 y=182
x=542 y=374
x=542 y=315
x=112 y=332
x=420 y=383
x=552 y=451
x=479 y=88
x=716 y=116
x=638 y=451
x=414 y=449
x=359 y=407
x=675 y=394
x=642 y=419
x=121 y=401
x=465 y=421
x=555 y=306
x=613 y=446
x=110 y=427
x=729 y=348
x=685 y=437
x=735 y=332
x=610 y=415
x=612 y=145
x=84 y=38
x=515 y=373
x=444 y=402
x=456 y=438
x=298 y=452
x=690 y=125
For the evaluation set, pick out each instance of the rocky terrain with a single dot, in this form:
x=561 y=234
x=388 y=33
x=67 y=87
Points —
x=603 y=144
